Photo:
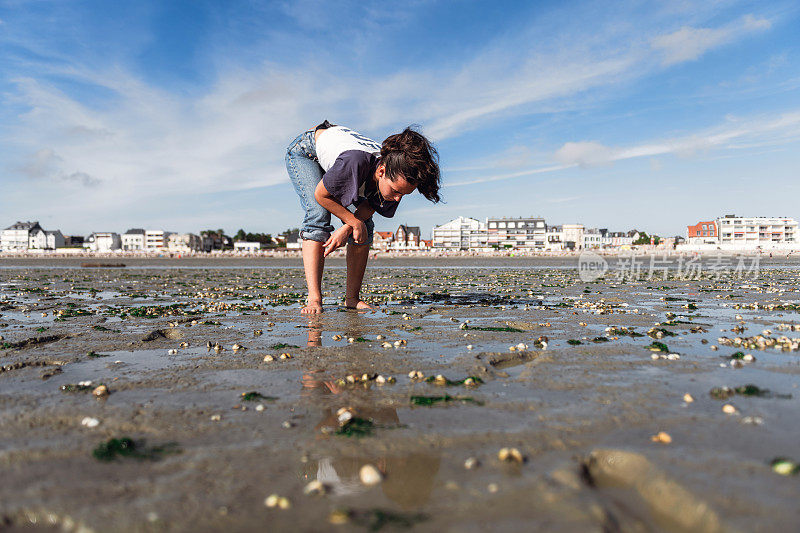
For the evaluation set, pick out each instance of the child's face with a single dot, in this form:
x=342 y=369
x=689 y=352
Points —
x=392 y=190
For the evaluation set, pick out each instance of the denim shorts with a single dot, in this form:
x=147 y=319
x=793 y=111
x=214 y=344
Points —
x=305 y=173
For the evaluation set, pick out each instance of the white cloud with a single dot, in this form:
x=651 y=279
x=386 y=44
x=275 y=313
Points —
x=584 y=154
x=734 y=134
x=688 y=43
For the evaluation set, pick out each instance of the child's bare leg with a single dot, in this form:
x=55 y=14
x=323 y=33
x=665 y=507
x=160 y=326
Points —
x=357 y=257
x=313 y=263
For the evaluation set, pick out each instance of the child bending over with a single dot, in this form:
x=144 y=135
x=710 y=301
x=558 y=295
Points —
x=332 y=168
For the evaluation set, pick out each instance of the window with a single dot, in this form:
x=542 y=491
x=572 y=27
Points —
x=492 y=224
x=705 y=227
x=501 y=224
x=511 y=225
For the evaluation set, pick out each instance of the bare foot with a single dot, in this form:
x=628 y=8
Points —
x=356 y=303
x=313 y=308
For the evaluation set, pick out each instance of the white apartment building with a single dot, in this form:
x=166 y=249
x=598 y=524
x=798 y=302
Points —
x=572 y=236
x=242 y=246
x=592 y=238
x=39 y=239
x=753 y=232
x=554 y=239
x=155 y=239
x=518 y=233
x=133 y=239
x=184 y=242
x=23 y=236
x=461 y=233
x=103 y=241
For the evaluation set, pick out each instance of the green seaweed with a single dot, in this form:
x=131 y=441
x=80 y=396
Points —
x=95 y=354
x=654 y=333
x=282 y=345
x=574 y=342
x=253 y=396
x=429 y=401
x=723 y=393
x=449 y=383
x=656 y=346
x=356 y=427
x=600 y=339
x=126 y=447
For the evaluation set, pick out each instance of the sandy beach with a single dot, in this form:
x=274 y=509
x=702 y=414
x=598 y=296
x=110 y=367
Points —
x=500 y=394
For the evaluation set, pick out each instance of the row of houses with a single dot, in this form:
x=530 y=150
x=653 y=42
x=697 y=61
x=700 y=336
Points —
x=736 y=232
x=525 y=233
x=25 y=236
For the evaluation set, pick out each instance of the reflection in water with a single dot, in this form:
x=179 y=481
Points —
x=315 y=332
x=409 y=478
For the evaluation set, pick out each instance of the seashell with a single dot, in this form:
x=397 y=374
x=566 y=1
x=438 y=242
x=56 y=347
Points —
x=688 y=398
x=662 y=437
x=101 y=391
x=369 y=475
x=510 y=455
x=729 y=409
x=90 y=422
x=471 y=463
x=268 y=358
x=315 y=487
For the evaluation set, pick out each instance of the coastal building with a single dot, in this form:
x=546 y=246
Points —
x=517 y=233
x=461 y=233
x=592 y=238
x=756 y=231
x=617 y=239
x=103 y=241
x=156 y=239
x=133 y=239
x=406 y=237
x=572 y=236
x=46 y=240
x=249 y=247
x=184 y=243
x=23 y=236
x=382 y=240
x=73 y=241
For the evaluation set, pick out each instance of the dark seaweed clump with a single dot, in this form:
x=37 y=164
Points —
x=126 y=447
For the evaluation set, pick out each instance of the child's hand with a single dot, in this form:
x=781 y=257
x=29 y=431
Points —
x=337 y=239
x=359 y=232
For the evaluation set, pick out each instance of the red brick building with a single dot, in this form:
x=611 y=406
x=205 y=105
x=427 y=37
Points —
x=702 y=229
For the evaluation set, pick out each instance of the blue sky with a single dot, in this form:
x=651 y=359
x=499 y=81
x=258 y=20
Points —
x=176 y=115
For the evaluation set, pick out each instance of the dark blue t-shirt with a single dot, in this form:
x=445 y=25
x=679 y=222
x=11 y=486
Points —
x=351 y=180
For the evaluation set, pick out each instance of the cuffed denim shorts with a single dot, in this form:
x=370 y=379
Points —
x=305 y=173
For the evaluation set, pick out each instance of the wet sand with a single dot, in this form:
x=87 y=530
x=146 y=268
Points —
x=579 y=402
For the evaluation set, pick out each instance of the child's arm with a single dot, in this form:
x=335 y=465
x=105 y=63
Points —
x=330 y=203
x=339 y=237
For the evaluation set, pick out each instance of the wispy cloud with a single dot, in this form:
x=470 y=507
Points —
x=734 y=134
x=688 y=43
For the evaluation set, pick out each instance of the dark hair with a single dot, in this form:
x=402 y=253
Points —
x=411 y=155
